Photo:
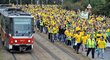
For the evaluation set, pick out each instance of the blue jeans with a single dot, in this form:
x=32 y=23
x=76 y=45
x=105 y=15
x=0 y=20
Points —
x=55 y=36
x=100 y=52
x=62 y=37
x=45 y=29
x=41 y=29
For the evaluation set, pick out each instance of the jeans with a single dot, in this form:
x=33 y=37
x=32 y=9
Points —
x=78 y=47
x=55 y=36
x=92 y=50
x=100 y=52
x=45 y=30
x=41 y=29
x=62 y=37
x=69 y=42
x=50 y=36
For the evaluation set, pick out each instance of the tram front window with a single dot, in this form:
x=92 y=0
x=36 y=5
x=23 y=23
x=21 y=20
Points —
x=22 y=27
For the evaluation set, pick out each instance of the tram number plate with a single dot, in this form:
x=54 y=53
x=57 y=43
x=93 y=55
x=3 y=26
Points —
x=22 y=40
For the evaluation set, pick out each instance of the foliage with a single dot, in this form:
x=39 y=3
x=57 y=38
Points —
x=106 y=9
x=98 y=6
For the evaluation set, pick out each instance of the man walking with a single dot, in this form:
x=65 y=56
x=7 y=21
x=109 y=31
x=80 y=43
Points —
x=101 y=47
x=91 y=44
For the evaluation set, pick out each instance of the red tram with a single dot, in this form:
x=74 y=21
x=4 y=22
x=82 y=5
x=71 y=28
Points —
x=17 y=29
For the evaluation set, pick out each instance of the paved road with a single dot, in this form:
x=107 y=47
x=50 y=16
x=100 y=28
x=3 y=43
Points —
x=107 y=54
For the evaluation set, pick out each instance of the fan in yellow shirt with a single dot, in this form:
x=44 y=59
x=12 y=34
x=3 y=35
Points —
x=98 y=18
x=78 y=28
x=101 y=47
x=82 y=33
x=77 y=41
x=101 y=43
x=84 y=41
x=88 y=35
x=98 y=36
x=69 y=36
x=68 y=33
x=78 y=37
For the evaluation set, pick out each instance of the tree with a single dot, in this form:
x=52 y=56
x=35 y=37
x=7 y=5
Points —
x=105 y=10
x=97 y=5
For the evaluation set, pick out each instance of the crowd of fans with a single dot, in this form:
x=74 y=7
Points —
x=71 y=29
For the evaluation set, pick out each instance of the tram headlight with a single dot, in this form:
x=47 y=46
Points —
x=16 y=41
x=29 y=40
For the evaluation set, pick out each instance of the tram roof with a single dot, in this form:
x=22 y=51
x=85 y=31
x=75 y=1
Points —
x=14 y=12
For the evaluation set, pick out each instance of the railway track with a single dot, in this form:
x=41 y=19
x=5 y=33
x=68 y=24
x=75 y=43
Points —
x=58 y=45
x=67 y=52
x=7 y=52
x=47 y=50
x=24 y=56
x=59 y=52
x=14 y=57
x=33 y=56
